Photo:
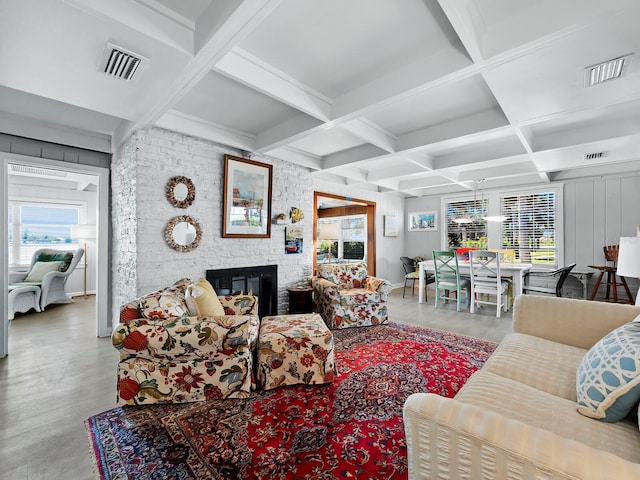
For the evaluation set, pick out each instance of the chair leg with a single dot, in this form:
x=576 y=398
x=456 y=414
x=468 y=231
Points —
x=614 y=286
x=626 y=289
x=594 y=292
x=404 y=288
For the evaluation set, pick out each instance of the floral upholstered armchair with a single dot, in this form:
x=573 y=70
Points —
x=346 y=296
x=168 y=355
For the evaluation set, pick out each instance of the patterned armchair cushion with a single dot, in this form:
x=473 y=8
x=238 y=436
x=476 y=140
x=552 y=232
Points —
x=167 y=303
x=359 y=296
x=345 y=275
x=177 y=337
x=239 y=304
x=378 y=285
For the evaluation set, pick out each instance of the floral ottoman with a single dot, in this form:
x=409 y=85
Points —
x=294 y=349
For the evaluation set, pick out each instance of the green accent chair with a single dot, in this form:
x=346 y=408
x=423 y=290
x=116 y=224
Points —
x=411 y=275
x=448 y=279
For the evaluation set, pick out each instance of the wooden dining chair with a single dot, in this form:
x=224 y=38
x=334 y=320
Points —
x=611 y=256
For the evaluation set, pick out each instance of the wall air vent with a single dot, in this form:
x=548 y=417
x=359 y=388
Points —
x=119 y=62
x=605 y=71
x=595 y=155
x=45 y=172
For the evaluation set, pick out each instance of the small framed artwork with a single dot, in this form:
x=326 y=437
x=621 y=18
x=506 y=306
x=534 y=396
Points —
x=423 y=221
x=246 y=199
x=390 y=226
x=293 y=239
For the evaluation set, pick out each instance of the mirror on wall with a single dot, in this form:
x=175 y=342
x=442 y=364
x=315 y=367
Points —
x=183 y=233
x=181 y=192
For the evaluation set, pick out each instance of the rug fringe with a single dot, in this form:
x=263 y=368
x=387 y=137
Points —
x=94 y=450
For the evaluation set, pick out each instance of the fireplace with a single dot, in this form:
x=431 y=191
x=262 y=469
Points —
x=262 y=280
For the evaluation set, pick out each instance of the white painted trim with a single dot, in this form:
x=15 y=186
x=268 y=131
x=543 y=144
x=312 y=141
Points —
x=4 y=262
x=103 y=304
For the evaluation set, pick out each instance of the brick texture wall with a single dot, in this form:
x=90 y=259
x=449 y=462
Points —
x=143 y=262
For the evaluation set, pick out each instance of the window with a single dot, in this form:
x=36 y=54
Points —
x=465 y=226
x=38 y=225
x=351 y=246
x=530 y=228
x=533 y=228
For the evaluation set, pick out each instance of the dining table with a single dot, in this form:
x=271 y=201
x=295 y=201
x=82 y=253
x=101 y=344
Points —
x=516 y=271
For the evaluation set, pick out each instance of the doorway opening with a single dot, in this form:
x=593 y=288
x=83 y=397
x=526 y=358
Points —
x=46 y=204
x=353 y=226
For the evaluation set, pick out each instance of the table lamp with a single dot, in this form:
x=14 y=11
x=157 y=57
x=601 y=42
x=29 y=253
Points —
x=629 y=259
x=84 y=232
x=329 y=231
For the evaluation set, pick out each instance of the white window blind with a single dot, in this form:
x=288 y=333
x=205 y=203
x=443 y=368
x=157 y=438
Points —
x=465 y=226
x=531 y=227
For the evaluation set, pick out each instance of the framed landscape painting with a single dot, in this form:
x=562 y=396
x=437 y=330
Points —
x=246 y=200
x=423 y=221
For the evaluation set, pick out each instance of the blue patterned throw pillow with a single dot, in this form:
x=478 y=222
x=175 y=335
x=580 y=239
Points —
x=608 y=377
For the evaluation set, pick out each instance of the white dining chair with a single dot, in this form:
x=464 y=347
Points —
x=486 y=280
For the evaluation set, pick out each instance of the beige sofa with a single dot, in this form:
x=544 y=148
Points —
x=516 y=417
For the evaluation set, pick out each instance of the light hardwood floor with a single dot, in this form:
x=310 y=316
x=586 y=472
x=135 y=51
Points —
x=58 y=373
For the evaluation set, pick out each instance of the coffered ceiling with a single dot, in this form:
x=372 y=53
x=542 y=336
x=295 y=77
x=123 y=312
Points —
x=406 y=97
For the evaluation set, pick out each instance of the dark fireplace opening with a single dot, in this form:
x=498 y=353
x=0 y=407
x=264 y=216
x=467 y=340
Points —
x=261 y=280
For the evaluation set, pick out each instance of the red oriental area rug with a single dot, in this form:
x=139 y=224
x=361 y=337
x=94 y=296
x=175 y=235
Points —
x=351 y=428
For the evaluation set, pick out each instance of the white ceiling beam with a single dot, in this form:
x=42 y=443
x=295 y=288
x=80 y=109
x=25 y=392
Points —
x=436 y=190
x=197 y=127
x=287 y=132
x=298 y=157
x=30 y=128
x=249 y=70
x=354 y=176
x=353 y=155
x=238 y=23
x=467 y=21
x=479 y=124
x=424 y=182
x=395 y=171
x=507 y=170
x=372 y=133
x=140 y=18
x=422 y=160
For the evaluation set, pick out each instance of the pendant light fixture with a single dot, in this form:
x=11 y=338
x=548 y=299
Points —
x=490 y=218
x=478 y=215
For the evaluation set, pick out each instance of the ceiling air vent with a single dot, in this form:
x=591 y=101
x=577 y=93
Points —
x=46 y=172
x=595 y=155
x=605 y=71
x=119 y=62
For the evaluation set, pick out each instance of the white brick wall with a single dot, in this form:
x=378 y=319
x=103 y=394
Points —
x=143 y=262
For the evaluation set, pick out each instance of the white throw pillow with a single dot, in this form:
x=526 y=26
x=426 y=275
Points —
x=40 y=269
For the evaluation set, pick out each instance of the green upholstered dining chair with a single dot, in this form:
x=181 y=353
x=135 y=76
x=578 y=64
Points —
x=447 y=278
x=411 y=275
